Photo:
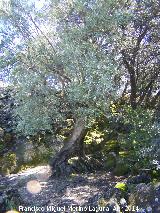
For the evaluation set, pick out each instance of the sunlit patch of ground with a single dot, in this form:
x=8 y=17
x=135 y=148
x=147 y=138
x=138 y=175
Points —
x=34 y=186
x=42 y=173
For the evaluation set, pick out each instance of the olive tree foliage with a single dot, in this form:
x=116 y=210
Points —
x=69 y=58
x=64 y=65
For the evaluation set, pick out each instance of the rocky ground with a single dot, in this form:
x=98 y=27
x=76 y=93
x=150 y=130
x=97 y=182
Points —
x=33 y=189
x=37 y=189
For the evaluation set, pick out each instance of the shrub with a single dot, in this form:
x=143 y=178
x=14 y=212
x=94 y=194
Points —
x=122 y=186
x=8 y=163
x=110 y=162
x=122 y=168
x=138 y=139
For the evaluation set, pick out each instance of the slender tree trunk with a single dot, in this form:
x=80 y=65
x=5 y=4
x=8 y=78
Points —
x=74 y=146
x=129 y=64
x=133 y=89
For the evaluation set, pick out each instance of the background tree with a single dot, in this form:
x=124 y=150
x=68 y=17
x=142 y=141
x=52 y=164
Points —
x=139 y=48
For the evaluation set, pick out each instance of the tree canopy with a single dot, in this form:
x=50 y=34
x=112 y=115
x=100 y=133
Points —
x=72 y=58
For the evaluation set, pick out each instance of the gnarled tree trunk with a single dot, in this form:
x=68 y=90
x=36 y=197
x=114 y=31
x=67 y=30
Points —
x=74 y=146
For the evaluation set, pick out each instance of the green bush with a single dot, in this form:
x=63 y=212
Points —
x=122 y=168
x=122 y=186
x=110 y=162
x=155 y=174
x=111 y=146
x=127 y=132
x=8 y=163
x=7 y=138
x=137 y=139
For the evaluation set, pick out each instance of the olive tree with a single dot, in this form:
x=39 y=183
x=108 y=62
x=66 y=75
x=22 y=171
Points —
x=65 y=66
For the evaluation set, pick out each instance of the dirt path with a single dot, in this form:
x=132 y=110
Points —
x=36 y=189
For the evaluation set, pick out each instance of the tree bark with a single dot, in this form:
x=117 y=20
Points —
x=129 y=64
x=74 y=146
x=133 y=89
